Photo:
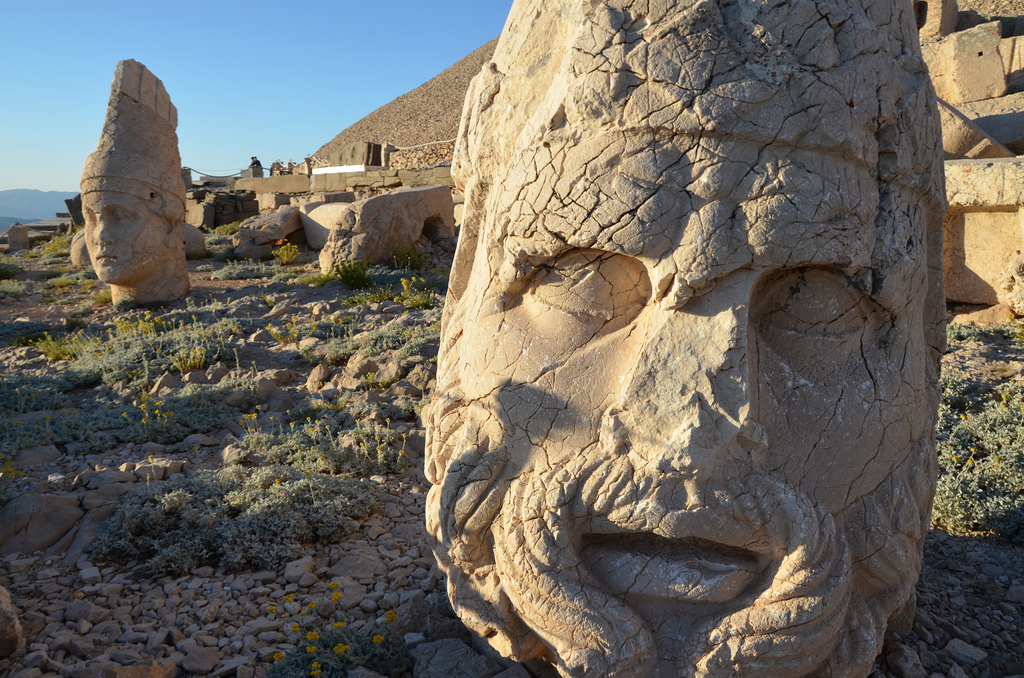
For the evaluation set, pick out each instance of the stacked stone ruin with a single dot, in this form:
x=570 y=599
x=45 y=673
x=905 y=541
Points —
x=978 y=75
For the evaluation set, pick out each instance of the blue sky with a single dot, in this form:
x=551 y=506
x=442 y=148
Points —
x=272 y=79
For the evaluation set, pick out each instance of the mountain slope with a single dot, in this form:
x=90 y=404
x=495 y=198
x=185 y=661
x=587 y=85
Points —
x=35 y=204
x=428 y=113
x=7 y=221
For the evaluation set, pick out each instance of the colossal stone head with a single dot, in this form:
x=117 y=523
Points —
x=133 y=196
x=687 y=386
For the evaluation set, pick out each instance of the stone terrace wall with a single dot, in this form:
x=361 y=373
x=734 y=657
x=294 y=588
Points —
x=351 y=181
x=426 y=156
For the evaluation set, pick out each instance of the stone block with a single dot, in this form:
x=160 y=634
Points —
x=940 y=19
x=200 y=214
x=982 y=228
x=1002 y=119
x=357 y=153
x=331 y=183
x=271 y=201
x=18 y=238
x=1012 y=52
x=961 y=138
x=967 y=66
x=286 y=183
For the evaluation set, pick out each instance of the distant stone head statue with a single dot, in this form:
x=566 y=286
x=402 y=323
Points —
x=133 y=196
x=683 y=423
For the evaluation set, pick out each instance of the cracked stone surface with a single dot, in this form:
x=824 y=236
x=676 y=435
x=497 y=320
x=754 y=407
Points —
x=133 y=197
x=688 y=376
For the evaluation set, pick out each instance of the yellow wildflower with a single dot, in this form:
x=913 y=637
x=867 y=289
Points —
x=335 y=597
x=333 y=585
x=390 y=616
x=339 y=625
x=378 y=639
x=310 y=649
x=295 y=628
x=312 y=635
x=278 y=656
x=289 y=597
x=312 y=603
x=341 y=648
x=272 y=608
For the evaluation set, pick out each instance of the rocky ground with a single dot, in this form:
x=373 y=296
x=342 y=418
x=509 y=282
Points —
x=83 y=617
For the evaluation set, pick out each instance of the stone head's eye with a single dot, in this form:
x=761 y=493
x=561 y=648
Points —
x=812 y=301
x=590 y=284
x=814 y=323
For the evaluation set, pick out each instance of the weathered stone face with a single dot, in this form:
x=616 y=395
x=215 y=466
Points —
x=133 y=196
x=683 y=421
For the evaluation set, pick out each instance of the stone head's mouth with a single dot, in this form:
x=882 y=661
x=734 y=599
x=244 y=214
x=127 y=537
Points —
x=644 y=566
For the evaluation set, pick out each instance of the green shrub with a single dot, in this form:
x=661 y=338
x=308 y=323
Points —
x=8 y=474
x=8 y=270
x=409 y=341
x=981 y=462
x=21 y=332
x=103 y=297
x=330 y=652
x=141 y=347
x=286 y=254
x=164 y=420
x=353 y=274
x=21 y=392
x=228 y=229
x=13 y=288
x=321 y=446
x=59 y=246
x=409 y=259
x=238 y=270
x=234 y=518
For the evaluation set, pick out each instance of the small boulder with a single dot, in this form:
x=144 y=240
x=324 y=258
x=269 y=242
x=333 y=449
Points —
x=79 y=251
x=11 y=635
x=294 y=570
x=31 y=456
x=201 y=660
x=372 y=229
x=195 y=242
x=34 y=522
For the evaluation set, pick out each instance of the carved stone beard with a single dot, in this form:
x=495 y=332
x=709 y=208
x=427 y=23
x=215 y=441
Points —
x=818 y=604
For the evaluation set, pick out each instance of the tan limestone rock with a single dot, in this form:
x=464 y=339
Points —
x=940 y=19
x=685 y=400
x=1012 y=52
x=133 y=196
x=372 y=229
x=984 y=231
x=967 y=66
x=1002 y=118
x=961 y=138
x=80 y=251
x=33 y=522
x=18 y=238
x=11 y=636
x=195 y=242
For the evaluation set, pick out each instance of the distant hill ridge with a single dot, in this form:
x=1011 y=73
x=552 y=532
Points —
x=32 y=204
x=428 y=113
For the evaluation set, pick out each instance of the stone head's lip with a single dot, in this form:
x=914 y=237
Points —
x=683 y=571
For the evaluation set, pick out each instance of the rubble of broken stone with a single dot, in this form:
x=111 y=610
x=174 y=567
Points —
x=978 y=74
